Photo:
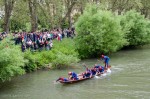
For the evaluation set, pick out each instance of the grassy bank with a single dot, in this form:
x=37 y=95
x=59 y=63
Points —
x=14 y=62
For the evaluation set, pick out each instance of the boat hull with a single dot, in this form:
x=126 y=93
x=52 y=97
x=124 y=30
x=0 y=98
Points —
x=75 y=81
x=82 y=79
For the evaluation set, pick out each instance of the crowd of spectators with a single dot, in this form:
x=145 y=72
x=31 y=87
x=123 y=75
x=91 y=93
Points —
x=41 y=40
x=3 y=35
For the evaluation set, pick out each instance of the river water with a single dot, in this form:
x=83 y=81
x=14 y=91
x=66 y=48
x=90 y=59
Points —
x=130 y=79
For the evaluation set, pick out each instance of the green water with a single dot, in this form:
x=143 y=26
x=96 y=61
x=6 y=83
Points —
x=130 y=79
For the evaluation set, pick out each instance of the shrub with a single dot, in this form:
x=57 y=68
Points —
x=98 y=32
x=11 y=60
x=136 y=28
x=62 y=55
x=32 y=64
x=63 y=60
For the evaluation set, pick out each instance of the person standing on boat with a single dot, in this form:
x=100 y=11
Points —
x=106 y=60
x=73 y=76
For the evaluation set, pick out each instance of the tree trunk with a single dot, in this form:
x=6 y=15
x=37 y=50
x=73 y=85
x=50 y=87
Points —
x=144 y=12
x=8 y=10
x=50 y=10
x=81 y=9
x=69 y=20
x=33 y=14
x=70 y=6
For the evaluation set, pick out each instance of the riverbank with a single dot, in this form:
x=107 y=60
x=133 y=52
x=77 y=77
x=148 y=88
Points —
x=129 y=79
x=62 y=55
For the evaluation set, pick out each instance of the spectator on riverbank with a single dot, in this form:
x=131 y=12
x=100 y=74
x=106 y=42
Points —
x=41 y=40
x=3 y=35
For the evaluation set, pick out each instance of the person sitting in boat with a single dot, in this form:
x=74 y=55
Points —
x=73 y=76
x=100 y=70
x=93 y=71
x=87 y=74
x=96 y=65
x=62 y=79
x=106 y=60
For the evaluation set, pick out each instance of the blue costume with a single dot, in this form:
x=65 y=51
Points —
x=62 y=79
x=87 y=74
x=101 y=69
x=106 y=60
x=65 y=79
x=97 y=66
x=93 y=72
x=74 y=76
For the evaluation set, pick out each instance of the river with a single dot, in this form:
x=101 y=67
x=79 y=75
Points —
x=130 y=79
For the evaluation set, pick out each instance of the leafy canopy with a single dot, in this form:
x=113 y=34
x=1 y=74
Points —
x=98 y=32
x=11 y=60
x=136 y=28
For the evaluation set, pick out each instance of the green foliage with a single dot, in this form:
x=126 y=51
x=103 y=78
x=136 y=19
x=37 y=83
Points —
x=65 y=53
x=76 y=16
x=17 y=25
x=136 y=28
x=31 y=65
x=98 y=32
x=37 y=60
x=43 y=20
x=20 y=16
x=62 y=55
x=65 y=24
x=28 y=27
x=1 y=26
x=63 y=60
x=11 y=60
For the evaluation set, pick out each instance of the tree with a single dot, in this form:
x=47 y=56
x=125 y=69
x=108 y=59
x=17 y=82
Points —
x=98 y=32
x=9 y=4
x=50 y=12
x=121 y=6
x=11 y=60
x=33 y=14
x=69 y=6
x=136 y=28
x=145 y=8
x=20 y=16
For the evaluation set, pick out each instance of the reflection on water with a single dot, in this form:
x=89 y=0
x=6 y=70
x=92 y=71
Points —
x=129 y=79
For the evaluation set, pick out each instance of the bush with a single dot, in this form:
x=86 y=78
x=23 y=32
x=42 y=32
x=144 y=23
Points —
x=98 y=32
x=11 y=60
x=16 y=25
x=31 y=65
x=62 y=55
x=136 y=28
x=64 y=24
x=37 y=60
x=63 y=60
